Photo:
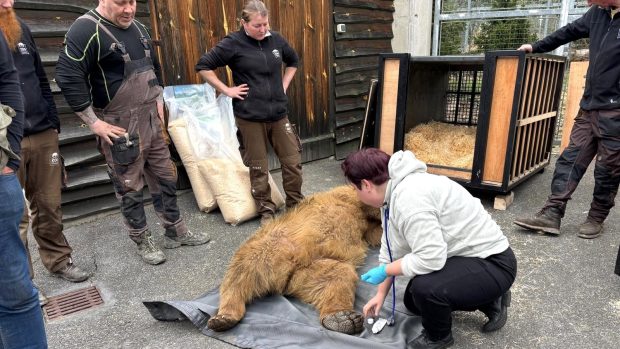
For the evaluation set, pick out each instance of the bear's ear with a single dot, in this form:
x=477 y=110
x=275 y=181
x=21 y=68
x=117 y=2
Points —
x=345 y=193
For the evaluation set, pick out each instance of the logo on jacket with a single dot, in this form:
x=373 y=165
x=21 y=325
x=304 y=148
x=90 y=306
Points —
x=276 y=53
x=54 y=159
x=22 y=49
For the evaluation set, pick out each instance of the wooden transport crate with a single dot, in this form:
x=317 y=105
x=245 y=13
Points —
x=512 y=97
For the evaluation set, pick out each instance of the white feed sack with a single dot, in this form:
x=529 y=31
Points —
x=230 y=182
x=203 y=130
x=204 y=198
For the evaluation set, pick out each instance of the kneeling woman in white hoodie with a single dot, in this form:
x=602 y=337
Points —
x=439 y=236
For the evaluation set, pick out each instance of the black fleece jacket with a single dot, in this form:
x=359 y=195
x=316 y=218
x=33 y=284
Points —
x=258 y=64
x=602 y=90
x=11 y=95
x=39 y=103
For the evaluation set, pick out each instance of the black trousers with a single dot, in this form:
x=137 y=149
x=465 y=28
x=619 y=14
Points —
x=595 y=134
x=464 y=283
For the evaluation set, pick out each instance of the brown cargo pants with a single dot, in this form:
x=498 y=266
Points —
x=254 y=138
x=40 y=174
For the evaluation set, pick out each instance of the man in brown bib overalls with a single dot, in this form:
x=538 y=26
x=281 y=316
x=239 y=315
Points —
x=108 y=75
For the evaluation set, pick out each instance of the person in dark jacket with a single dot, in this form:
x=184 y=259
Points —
x=596 y=131
x=41 y=170
x=21 y=318
x=255 y=55
x=109 y=76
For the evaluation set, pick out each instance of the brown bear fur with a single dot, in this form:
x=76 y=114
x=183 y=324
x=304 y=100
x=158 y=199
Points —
x=311 y=252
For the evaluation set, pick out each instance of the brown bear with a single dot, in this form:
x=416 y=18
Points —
x=310 y=252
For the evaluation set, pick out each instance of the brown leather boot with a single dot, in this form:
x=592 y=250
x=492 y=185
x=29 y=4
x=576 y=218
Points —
x=546 y=221
x=590 y=229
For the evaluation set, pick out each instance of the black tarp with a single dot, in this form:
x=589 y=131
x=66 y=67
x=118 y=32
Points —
x=284 y=322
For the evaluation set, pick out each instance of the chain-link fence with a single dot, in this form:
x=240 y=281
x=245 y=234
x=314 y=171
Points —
x=467 y=27
x=476 y=26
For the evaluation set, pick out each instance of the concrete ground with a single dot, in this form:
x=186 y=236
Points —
x=565 y=295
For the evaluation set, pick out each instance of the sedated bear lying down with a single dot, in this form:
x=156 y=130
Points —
x=311 y=252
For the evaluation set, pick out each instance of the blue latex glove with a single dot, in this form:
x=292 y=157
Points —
x=375 y=275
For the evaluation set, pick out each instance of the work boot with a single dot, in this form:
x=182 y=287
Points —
x=497 y=312
x=189 y=239
x=71 y=273
x=149 y=252
x=590 y=229
x=423 y=341
x=545 y=221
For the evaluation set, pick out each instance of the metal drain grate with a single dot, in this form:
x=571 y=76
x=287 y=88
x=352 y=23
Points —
x=72 y=302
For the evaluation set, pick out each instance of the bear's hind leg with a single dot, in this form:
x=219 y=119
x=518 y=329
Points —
x=329 y=285
x=256 y=269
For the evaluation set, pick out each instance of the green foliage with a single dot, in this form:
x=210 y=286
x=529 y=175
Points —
x=451 y=38
x=503 y=34
x=451 y=34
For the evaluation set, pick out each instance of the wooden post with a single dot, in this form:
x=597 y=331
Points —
x=576 y=85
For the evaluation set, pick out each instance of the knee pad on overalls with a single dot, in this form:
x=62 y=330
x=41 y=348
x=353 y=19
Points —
x=132 y=209
x=166 y=202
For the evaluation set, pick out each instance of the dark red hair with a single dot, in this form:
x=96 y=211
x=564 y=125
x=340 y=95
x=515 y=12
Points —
x=369 y=163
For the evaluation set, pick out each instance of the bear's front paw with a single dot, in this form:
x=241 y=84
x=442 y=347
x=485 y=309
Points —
x=222 y=322
x=345 y=321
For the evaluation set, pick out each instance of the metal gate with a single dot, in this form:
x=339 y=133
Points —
x=476 y=26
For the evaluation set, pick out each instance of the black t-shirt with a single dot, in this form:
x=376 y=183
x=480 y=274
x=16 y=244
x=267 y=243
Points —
x=88 y=70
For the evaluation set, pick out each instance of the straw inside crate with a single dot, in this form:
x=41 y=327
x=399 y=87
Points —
x=439 y=143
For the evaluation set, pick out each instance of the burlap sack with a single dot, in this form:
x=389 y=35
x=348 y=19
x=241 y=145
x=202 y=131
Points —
x=204 y=196
x=229 y=182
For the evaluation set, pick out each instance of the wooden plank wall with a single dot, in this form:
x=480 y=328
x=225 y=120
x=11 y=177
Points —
x=89 y=189
x=368 y=33
x=187 y=28
x=326 y=104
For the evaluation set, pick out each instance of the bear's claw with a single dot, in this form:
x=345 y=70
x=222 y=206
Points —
x=220 y=323
x=345 y=321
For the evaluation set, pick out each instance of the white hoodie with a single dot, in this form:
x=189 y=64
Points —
x=432 y=218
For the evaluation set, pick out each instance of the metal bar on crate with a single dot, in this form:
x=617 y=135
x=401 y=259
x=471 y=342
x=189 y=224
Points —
x=473 y=98
x=459 y=87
